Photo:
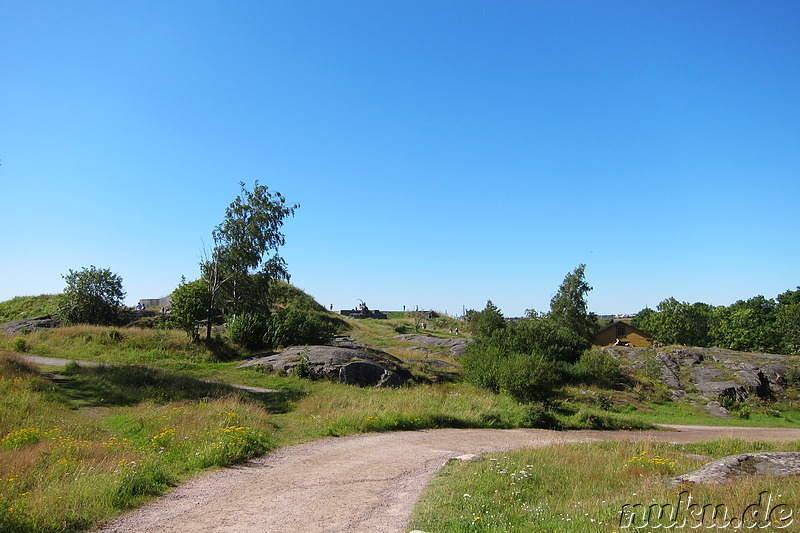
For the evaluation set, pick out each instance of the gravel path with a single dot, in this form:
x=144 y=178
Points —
x=363 y=483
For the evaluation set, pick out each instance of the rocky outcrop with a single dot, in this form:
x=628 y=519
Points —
x=456 y=345
x=26 y=325
x=733 y=375
x=711 y=382
x=776 y=464
x=367 y=374
x=348 y=365
x=712 y=377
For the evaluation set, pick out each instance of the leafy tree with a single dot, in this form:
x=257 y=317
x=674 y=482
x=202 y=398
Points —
x=92 y=296
x=569 y=309
x=746 y=325
x=486 y=322
x=248 y=329
x=238 y=272
x=250 y=230
x=787 y=321
x=678 y=322
x=644 y=320
x=191 y=304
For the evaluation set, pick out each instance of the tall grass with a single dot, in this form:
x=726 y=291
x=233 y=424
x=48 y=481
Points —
x=583 y=488
x=333 y=409
x=63 y=469
x=130 y=345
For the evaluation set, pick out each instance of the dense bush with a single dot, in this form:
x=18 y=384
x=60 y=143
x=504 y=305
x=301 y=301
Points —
x=596 y=367
x=525 y=376
x=92 y=296
x=191 y=304
x=249 y=329
x=538 y=416
x=294 y=327
x=529 y=377
x=20 y=345
x=540 y=335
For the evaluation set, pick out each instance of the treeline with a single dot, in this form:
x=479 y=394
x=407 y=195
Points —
x=757 y=324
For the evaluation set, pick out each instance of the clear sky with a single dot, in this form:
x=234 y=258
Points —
x=443 y=152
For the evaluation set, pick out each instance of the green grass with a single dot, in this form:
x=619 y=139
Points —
x=169 y=349
x=582 y=488
x=64 y=469
x=27 y=307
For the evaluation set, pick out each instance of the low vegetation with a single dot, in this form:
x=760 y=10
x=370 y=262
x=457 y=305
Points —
x=596 y=487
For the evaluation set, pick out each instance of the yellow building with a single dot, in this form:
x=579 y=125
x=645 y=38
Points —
x=619 y=332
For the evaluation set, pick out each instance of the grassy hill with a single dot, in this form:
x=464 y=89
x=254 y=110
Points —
x=28 y=307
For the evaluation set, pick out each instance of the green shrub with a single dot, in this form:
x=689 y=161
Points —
x=191 y=305
x=538 y=416
x=481 y=365
x=294 y=327
x=528 y=377
x=141 y=481
x=20 y=345
x=597 y=367
x=112 y=336
x=793 y=377
x=92 y=296
x=302 y=369
x=248 y=330
x=525 y=376
x=591 y=419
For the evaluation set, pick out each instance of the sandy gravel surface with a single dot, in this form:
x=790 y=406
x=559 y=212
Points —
x=363 y=483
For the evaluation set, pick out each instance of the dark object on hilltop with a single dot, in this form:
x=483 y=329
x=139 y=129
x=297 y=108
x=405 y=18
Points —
x=347 y=365
x=363 y=312
x=776 y=464
x=26 y=325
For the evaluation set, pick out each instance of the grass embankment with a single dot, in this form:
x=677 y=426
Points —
x=28 y=306
x=584 y=487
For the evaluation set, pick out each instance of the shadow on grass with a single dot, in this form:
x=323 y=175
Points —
x=124 y=385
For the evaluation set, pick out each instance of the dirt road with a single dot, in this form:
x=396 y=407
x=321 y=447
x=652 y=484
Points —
x=364 y=483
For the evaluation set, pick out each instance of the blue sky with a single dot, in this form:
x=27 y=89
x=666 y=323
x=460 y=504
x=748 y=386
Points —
x=443 y=153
